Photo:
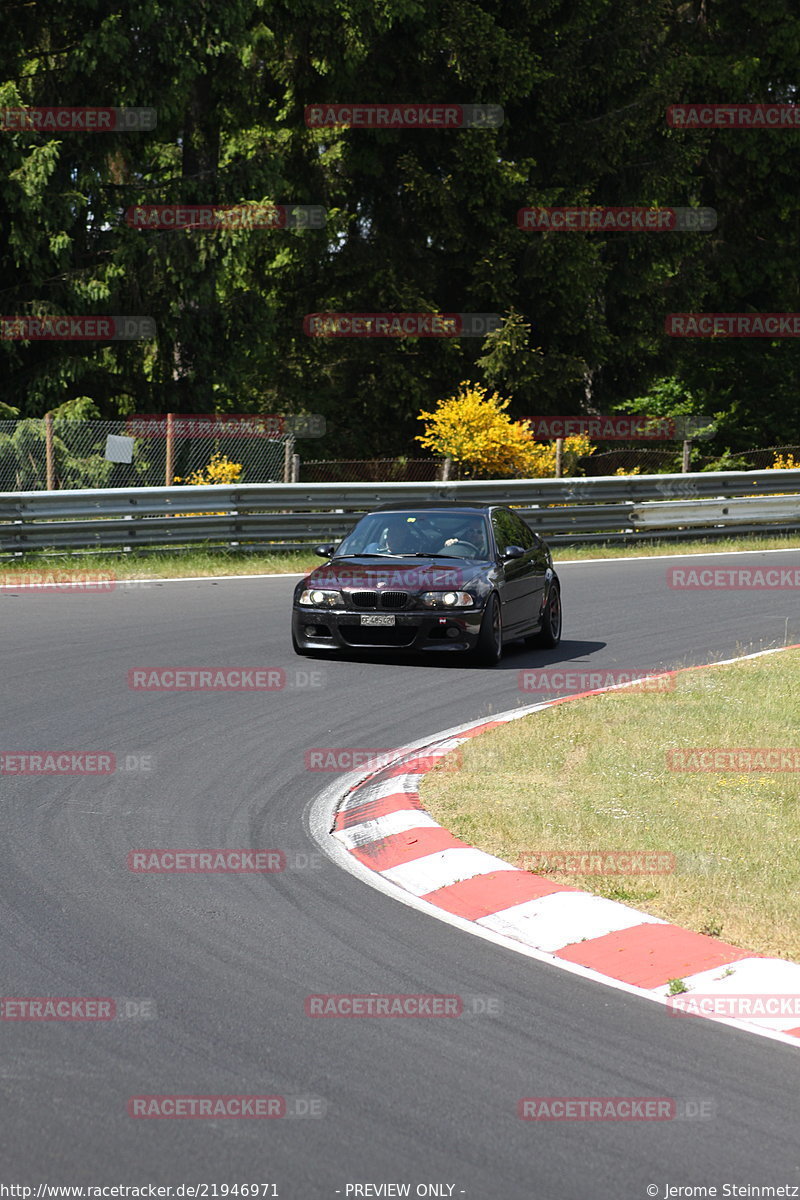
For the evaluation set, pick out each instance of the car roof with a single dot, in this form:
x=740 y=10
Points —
x=442 y=505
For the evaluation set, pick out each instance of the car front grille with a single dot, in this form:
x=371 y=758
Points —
x=364 y=599
x=391 y=600
x=394 y=599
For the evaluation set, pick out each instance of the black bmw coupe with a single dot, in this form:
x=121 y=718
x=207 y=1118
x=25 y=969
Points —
x=431 y=577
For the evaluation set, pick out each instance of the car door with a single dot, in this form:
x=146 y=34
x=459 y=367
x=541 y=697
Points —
x=536 y=558
x=515 y=593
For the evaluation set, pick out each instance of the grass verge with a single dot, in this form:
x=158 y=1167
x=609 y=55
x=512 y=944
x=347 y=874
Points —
x=163 y=565
x=657 y=549
x=168 y=564
x=593 y=775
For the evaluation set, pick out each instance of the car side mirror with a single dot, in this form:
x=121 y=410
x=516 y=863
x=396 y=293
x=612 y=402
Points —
x=513 y=552
x=325 y=551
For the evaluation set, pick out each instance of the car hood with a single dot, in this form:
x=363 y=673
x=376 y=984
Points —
x=398 y=574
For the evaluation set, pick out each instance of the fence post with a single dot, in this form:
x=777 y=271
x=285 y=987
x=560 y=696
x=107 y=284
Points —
x=295 y=468
x=448 y=462
x=48 y=451
x=288 y=451
x=559 y=457
x=170 y=455
x=685 y=465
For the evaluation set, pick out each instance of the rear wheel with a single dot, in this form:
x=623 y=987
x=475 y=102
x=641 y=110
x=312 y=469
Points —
x=550 y=633
x=489 y=650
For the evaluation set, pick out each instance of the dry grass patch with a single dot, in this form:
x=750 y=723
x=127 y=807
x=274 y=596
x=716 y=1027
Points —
x=593 y=775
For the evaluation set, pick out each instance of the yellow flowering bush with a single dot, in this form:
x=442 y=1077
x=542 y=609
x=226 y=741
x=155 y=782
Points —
x=784 y=464
x=219 y=469
x=473 y=430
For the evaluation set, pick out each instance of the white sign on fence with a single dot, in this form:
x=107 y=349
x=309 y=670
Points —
x=119 y=449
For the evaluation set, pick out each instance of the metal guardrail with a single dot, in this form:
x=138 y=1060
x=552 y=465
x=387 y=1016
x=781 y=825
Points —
x=295 y=516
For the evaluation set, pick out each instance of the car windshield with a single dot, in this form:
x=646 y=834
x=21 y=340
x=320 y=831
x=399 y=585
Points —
x=417 y=533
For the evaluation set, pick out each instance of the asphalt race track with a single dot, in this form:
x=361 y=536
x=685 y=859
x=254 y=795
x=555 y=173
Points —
x=225 y=961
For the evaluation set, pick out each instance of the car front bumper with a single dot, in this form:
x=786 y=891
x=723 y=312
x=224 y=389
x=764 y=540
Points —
x=427 y=630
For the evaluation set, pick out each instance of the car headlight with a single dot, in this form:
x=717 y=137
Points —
x=320 y=598
x=447 y=600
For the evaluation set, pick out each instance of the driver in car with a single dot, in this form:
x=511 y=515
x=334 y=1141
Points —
x=398 y=537
x=470 y=533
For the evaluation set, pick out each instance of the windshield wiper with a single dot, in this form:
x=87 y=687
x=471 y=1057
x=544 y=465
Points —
x=420 y=554
x=412 y=554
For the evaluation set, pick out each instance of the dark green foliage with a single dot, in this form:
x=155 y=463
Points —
x=417 y=220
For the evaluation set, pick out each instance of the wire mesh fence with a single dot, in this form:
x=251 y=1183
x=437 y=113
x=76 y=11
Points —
x=93 y=454
x=371 y=470
x=761 y=460
x=644 y=461
x=638 y=461
x=115 y=453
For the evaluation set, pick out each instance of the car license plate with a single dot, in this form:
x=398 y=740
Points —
x=377 y=619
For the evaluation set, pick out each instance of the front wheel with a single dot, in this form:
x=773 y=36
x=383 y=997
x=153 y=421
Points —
x=489 y=650
x=550 y=633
